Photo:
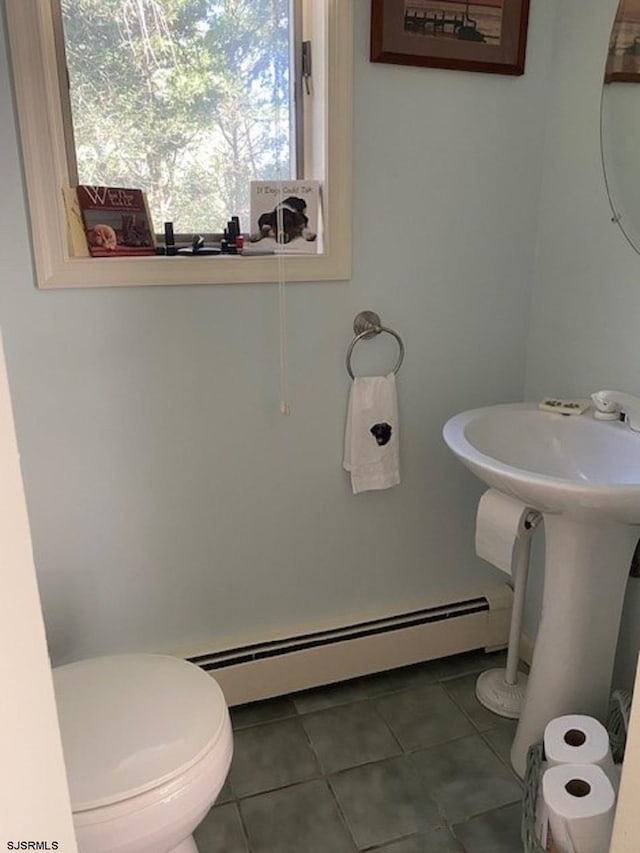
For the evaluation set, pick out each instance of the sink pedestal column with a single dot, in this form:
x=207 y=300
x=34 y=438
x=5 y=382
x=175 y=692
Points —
x=586 y=569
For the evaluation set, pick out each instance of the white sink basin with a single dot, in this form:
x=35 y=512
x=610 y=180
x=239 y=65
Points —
x=584 y=476
x=554 y=463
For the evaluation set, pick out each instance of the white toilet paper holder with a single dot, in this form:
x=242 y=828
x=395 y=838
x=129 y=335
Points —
x=502 y=690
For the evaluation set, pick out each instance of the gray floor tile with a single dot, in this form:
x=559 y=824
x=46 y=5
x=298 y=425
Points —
x=226 y=794
x=423 y=716
x=494 y=832
x=330 y=696
x=395 y=803
x=270 y=756
x=501 y=738
x=349 y=735
x=457 y=665
x=384 y=801
x=463 y=692
x=401 y=679
x=466 y=778
x=221 y=831
x=300 y=819
x=438 y=841
x=262 y=712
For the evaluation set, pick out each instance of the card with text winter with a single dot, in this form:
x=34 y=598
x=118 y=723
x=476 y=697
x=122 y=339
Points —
x=116 y=220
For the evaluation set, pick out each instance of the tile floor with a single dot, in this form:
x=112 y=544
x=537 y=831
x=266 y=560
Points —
x=402 y=762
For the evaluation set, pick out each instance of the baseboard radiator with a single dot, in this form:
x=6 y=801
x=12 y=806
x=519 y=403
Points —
x=288 y=664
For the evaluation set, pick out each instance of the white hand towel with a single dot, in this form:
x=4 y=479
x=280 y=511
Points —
x=371 y=448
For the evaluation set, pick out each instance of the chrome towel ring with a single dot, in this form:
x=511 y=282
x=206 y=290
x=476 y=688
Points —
x=367 y=324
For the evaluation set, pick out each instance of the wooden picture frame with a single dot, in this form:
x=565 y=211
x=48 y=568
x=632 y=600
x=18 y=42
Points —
x=486 y=35
x=623 y=59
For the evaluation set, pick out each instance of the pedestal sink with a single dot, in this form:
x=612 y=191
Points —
x=584 y=476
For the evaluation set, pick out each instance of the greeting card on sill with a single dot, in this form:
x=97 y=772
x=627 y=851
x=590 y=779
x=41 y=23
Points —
x=117 y=221
x=286 y=216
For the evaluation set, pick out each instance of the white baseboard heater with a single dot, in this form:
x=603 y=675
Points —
x=285 y=665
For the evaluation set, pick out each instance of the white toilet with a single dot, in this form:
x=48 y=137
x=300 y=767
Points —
x=147 y=743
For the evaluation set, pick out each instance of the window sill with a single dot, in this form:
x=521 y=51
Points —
x=220 y=269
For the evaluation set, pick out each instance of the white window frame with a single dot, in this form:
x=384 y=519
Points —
x=40 y=115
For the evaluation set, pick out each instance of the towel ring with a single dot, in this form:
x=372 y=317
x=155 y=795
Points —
x=367 y=325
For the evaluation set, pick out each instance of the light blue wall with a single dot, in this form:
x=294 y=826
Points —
x=170 y=502
x=585 y=311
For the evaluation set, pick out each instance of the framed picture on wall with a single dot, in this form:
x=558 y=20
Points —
x=623 y=60
x=485 y=35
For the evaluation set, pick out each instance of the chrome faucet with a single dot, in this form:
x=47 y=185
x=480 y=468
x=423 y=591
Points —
x=611 y=405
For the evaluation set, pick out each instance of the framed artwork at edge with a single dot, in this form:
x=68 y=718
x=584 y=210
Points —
x=488 y=36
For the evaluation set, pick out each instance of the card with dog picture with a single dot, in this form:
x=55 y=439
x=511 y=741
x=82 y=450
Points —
x=285 y=216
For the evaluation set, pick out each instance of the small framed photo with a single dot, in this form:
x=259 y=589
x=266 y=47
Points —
x=487 y=35
x=623 y=60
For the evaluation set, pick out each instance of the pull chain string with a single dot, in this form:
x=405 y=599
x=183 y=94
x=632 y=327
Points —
x=285 y=407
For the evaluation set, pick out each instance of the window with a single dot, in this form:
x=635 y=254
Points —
x=190 y=103
x=188 y=100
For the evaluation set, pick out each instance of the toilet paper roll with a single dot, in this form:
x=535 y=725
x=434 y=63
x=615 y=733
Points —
x=579 y=739
x=499 y=521
x=580 y=801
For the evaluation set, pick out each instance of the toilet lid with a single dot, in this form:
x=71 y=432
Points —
x=132 y=722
